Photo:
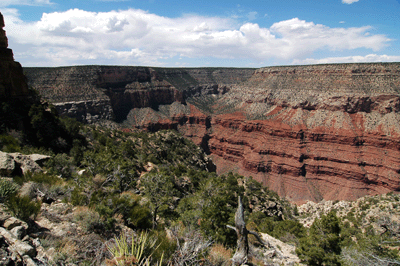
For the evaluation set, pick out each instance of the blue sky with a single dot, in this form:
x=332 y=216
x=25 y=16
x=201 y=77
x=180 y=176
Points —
x=202 y=33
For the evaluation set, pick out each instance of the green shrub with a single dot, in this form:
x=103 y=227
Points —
x=79 y=198
x=9 y=144
x=323 y=244
x=285 y=230
x=134 y=214
x=40 y=178
x=23 y=207
x=7 y=189
x=61 y=165
x=89 y=220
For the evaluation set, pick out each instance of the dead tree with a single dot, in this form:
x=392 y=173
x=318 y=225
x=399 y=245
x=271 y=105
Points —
x=242 y=253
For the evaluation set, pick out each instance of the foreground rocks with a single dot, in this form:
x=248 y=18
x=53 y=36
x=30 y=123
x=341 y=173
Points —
x=381 y=211
x=279 y=253
x=18 y=164
x=17 y=246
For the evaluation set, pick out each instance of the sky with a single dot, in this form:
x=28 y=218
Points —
x=205 y=33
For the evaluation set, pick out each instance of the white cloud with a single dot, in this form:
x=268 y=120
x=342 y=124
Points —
x=349 y=1
x=137 y=37
x=349 y=59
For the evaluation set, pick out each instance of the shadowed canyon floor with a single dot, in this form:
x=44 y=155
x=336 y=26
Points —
x=308 y=132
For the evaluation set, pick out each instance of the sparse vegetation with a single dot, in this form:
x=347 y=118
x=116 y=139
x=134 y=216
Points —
x=23 y=207
x=128 y=189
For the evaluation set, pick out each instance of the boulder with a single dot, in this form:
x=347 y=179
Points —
x=12 y=222
x=26 y=164
x=7 y=164
x=19 y=232
x=17 y=163
x=28 y=261
x=17 y=245
x=40 y=159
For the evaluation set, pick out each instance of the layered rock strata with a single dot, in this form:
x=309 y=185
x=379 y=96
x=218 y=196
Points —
x=12 y=80
x=92 y=93
x=308 y=132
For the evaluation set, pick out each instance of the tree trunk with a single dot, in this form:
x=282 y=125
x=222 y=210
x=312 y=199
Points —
x=242 y=253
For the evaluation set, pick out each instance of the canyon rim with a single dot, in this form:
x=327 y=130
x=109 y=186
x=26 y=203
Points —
x=307 y=132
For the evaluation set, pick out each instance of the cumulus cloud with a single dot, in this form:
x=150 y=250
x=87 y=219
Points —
x=349 y=59
x=138 y=37
x=349 y=1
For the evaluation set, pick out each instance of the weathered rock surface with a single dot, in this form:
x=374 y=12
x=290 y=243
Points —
x=7 y=164
x=382 y=212
x=17 y=163
x=17 y=247
x=12 y=80
x=278 y=252
x=308 y=132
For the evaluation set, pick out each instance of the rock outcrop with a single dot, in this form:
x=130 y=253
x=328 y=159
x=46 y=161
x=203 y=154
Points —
x=12 y=164
x=12 y=79
x=308 y=132
x=17 y=246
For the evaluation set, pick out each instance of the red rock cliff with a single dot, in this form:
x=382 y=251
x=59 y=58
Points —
x=308 y=132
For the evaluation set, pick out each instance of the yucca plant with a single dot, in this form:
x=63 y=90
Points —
x=139 y=253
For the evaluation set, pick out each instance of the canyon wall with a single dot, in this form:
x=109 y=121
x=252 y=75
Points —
x=12 y=80
x=93 y=93
x=308 y=132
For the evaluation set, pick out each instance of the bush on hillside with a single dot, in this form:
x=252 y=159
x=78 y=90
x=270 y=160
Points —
x=23 y=207
x=322 y=246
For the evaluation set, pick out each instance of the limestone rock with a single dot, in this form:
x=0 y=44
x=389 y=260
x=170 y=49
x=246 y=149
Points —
x=28 y=261
x=19 y=232
x=40 y=159
x=17 y=245
x=17 y=163
x=7 y=164
x=12 y=222
x=25 y=163
x=279 y=253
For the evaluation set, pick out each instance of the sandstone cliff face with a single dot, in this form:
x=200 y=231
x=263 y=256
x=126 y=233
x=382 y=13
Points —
x=308 y=132
x=12 y=80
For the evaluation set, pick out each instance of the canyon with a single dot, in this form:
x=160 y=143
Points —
x=316 y=132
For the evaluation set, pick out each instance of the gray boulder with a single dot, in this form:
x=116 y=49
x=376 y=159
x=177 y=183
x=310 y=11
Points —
x=7 y=164
x=22 y=248
x=19 y=232
x=12 y=222
x=17 y=163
